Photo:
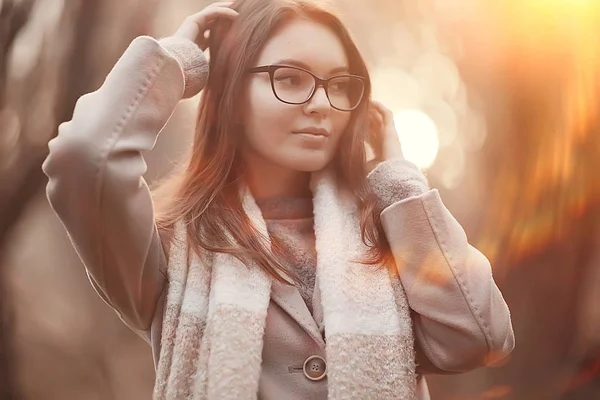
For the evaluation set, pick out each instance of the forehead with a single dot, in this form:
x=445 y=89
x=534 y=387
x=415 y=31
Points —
x=306 y=41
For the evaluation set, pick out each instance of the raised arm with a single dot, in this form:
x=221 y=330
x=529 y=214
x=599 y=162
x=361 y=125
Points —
x=461 y=319
x=95 y=170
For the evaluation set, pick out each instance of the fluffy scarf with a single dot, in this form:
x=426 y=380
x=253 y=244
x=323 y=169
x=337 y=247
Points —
x=214 y=320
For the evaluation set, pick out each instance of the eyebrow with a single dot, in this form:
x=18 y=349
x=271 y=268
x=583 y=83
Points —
x=296 y=63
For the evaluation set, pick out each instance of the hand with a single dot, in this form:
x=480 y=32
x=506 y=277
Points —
x=196 y=26
x=383 y=136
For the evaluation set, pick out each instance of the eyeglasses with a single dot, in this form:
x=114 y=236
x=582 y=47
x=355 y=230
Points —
x=294 y=85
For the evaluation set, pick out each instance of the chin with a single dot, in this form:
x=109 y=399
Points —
x=308 y=164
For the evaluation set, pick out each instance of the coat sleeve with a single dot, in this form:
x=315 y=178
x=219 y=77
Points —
x=461 y=320
x=95 y=169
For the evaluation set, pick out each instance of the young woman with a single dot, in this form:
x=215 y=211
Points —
x=276 y=263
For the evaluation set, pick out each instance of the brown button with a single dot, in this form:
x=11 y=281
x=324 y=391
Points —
x=315 y=368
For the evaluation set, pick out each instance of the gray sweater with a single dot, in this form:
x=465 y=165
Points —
x=290 y=220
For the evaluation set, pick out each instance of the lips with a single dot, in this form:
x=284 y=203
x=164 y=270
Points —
x=313 y=131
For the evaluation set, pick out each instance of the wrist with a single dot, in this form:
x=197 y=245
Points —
x=192 y=61
x=395 y=180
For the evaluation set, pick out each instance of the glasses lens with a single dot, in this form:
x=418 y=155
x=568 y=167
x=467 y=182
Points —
x=292 y=85
x=345 y=92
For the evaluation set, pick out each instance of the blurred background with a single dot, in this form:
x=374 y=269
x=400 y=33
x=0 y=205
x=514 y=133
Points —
x=496 y=100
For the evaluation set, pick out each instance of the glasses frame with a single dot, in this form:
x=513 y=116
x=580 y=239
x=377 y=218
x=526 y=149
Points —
x=319 y=82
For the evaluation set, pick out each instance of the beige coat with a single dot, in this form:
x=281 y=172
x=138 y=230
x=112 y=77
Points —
x=96 y=187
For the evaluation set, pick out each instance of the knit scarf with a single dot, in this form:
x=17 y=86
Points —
x=214 y=318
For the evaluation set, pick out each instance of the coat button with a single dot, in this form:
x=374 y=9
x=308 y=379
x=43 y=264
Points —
x=315 y=368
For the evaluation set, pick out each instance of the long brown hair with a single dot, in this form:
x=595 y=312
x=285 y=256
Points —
x=204 y=193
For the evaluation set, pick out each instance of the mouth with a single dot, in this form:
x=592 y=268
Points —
x=313 y=131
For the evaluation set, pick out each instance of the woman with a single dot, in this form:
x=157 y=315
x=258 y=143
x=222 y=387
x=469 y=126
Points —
x=272 y=265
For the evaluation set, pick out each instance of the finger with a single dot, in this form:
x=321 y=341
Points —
x=376 y=107
x=209 y=22
x=210 y=19
x=210 y=13
x=217 y=4
x=376 y=115
x=188 y=30
x=376 y=124
x=196 y=25
x=375 y=131
x=221 y=4
x=373 y=119
x=386 y=114
x=203 y=23
x=221 y=12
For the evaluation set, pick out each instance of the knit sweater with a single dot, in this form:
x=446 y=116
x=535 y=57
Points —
x=290 y=222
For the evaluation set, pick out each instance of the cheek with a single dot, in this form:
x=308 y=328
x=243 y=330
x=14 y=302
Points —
x=265 y=117
x=340 y=121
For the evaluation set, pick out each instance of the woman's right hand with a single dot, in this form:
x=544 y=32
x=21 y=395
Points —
x=196 y=26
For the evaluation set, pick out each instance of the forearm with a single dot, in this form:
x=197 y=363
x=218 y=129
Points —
x=96 y=186
x=461 y=319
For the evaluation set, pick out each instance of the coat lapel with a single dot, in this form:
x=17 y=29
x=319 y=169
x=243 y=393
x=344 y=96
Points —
x=289 y=299
x=286 y=296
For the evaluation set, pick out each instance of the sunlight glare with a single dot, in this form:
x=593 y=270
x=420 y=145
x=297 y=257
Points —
x=419 y=137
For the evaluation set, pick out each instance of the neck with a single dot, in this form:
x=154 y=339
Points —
x=267 y=180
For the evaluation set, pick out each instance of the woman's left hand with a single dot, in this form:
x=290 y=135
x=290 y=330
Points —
x=383 y=135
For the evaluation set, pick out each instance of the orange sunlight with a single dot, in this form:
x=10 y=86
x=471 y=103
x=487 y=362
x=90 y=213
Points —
x=551 y=46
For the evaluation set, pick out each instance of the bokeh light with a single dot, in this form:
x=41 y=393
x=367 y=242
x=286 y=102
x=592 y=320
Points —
x=419 y=137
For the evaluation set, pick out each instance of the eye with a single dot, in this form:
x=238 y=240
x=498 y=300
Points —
x=289 y=79
x=340 y=85
x=292 y=78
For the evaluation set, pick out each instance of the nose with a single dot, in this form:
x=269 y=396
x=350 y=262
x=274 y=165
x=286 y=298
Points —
x=319 y=103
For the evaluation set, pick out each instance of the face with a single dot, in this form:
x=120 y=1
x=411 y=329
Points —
x=299 y=137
